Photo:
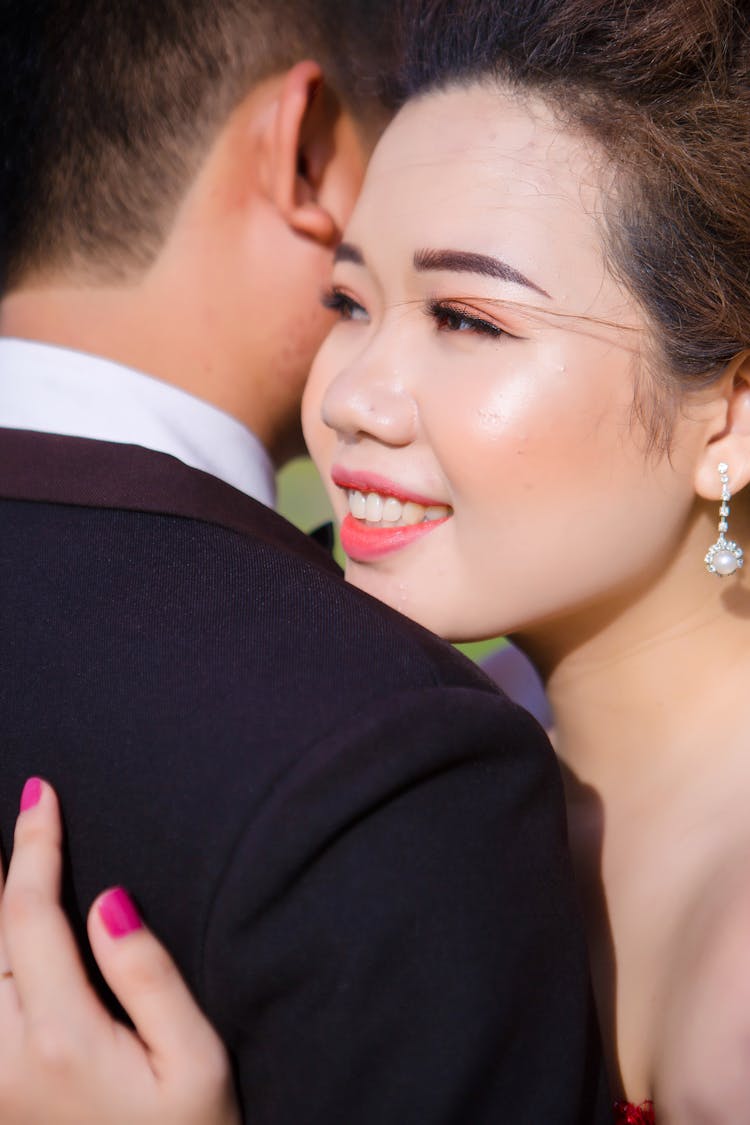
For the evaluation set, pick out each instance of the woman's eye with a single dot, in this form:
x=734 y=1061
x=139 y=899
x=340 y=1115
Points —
x=343 y=305
x=453 y=318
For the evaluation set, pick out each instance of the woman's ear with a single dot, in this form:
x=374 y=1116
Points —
x=306 y=146
x=730 y=440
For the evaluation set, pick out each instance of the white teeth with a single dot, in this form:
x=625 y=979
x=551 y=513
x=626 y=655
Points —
x=392 y=510
x=374 y=507
x=358 y=505
x=377 y=508
x=413 y=513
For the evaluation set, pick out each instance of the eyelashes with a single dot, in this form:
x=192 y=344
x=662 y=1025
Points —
x=343 y=305
x=447 y=316
x=451 y=317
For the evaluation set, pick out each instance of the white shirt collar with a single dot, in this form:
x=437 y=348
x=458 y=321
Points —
x=57 y=391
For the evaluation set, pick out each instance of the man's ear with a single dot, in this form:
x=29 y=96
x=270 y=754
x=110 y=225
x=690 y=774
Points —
x=304 y=145
x=729 y=439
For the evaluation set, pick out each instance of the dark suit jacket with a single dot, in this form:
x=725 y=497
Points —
x=353 y=844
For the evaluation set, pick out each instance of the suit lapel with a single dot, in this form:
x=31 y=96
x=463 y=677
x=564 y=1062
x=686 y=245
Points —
x=96 y=474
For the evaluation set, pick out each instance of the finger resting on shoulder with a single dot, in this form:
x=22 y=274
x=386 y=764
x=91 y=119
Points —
x=6 y=971
x=37 y=841
x=35 y=792
x=8 y=992
x=36 y=936
x=32 y=884
x=149 y=985
x=10 y=1005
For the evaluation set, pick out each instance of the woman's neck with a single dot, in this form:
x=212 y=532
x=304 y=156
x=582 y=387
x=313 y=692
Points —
x=636 y=684
x=617 y=712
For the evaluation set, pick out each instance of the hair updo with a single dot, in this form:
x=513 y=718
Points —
x=664 y=88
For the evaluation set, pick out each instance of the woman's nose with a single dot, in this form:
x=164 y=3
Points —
x=368 y=399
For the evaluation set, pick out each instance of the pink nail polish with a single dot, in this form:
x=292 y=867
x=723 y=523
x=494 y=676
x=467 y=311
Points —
x=118 y=913
x=32 y=792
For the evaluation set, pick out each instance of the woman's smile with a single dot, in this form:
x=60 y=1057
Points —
x=383 y=516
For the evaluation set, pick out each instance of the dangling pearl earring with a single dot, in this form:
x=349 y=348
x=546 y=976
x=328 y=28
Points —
x=724 y=556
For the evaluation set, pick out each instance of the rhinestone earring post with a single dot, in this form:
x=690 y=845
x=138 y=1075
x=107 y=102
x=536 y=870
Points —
x=724 y=556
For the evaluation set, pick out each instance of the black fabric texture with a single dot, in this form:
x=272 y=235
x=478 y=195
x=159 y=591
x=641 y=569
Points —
x=352 y=843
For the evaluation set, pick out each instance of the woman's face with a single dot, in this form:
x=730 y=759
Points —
x=472 y=411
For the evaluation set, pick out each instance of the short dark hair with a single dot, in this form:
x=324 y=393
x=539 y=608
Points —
x=106 y=107
x=664 y=88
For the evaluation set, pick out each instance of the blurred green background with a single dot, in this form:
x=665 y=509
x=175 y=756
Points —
x=302 y=500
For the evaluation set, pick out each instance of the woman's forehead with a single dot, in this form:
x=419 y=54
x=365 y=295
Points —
x=477 y=170
x=491 y=138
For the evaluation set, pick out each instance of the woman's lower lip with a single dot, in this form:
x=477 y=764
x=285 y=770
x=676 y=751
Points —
x=363 y=541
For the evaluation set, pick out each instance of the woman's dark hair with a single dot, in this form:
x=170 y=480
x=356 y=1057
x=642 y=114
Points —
x=663 y=86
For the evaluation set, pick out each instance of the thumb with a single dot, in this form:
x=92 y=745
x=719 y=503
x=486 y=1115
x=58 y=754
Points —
x=148 y=984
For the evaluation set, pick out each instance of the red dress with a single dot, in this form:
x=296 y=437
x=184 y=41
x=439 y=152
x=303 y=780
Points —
x=627 y=1114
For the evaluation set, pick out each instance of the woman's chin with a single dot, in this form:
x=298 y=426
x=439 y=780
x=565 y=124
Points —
x=434 y=613
x=396 y=593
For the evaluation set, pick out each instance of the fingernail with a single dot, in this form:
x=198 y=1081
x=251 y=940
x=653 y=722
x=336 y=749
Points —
x=118 y=913
x=32 y=792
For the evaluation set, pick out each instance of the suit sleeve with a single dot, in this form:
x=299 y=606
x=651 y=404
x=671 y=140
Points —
x=395 y=939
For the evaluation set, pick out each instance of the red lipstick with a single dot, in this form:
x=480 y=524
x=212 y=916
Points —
x=364 y=542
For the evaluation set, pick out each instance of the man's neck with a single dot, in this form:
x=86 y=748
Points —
x=134 y=326
x=117 y=323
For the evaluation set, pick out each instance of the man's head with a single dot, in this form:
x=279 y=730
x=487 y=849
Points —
x=173 y=179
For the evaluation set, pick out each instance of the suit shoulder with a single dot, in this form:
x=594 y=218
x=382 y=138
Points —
x=317 y=619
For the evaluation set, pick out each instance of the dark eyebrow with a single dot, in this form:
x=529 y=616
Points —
x=346 y=252
x=463 y=261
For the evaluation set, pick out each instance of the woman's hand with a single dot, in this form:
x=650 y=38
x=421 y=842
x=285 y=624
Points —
x=63 y=1059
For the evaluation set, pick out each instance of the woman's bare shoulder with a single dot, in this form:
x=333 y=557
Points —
x=702 y=1061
